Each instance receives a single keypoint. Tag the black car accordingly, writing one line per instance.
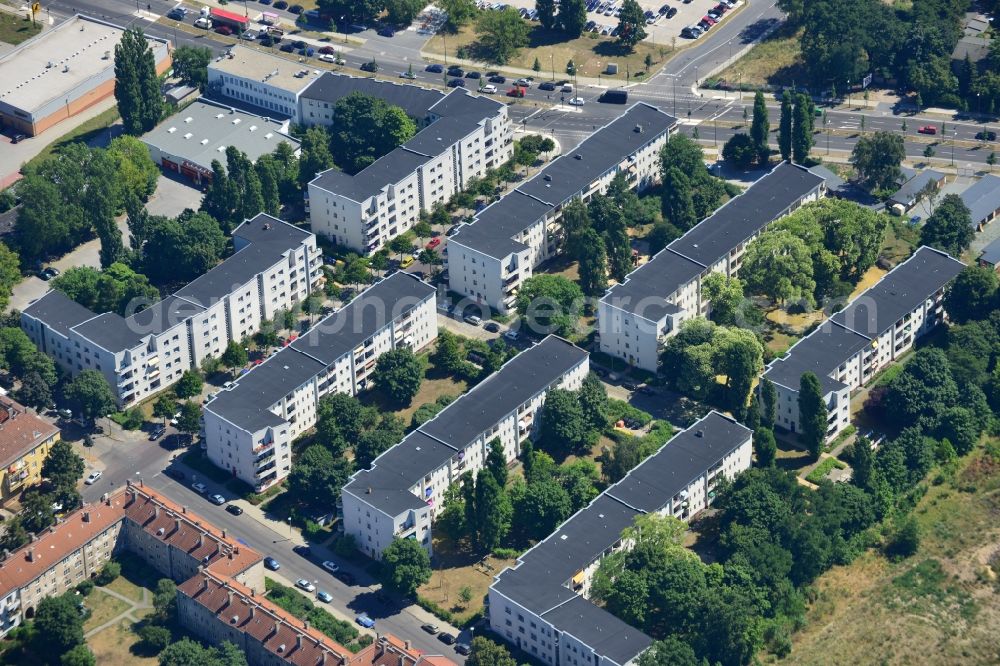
(175, 474)
(473, 75)
(296, 9)
(456, 83)
(304, 551)
(156, 433)
(345, 577)
(288, 48)
(233, 509)
(434, 69)
(456, 71)
(672, 12)
(446, 638)
(299, 44)
(370, 66)
(497, 78)
(266, 40)
(463, 649)
(177, 13)
(986, 135)
(18, 138)
(281, 4)
(629, 386)
(548, 85)
(386, 32)
(492, 327)
(48, 273)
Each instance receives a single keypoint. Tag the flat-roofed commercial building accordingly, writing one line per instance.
(874, 330)
(250, 427)
(636, 316)
(459, 137)
(399, 496)
(541, 606)
(188, 142)
(25, 440)
(63, 71)
(275, 266)
(491, 257)
(260, 79)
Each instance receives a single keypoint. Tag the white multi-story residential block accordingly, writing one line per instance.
(459, 137)
(275, 265)
(636, 316)
(492, 256)
(541, 606)
(250, 427)
(399, 495)
(260, 79)
(851, 347)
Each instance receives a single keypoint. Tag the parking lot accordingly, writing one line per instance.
(602, 15)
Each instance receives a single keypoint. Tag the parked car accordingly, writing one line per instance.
(488, 89)
(199, 487)
(175, 474)
(523, 83)
(295, 9)
(303, 584)
(271, 563)
(430, 628)
(156, 433)
(456, 83)
(492, 327)
(472, 320)
(511, 334)
(672, 12)
(177, 13)
(327, 57)
(365, 621)
(49, 272)
(345, 577)
(516, 91)
(93, 477)
(18, 138)
(370, 66)
(325, 597)
(217, 499)
(331, 566)
(566, 88)
(547, 85)
(463, 649)
(497, 78)
(434, 69)
(233, 509)
(446, 638)
(407, 75)
(433, 243)
(407, 261)
(456, 71)
(629, 386)
(288, 48)
(576, 101)
(386, 32)
(986, 135)
(927, 129)
(473, 75)
(304, 551)
(915, 220)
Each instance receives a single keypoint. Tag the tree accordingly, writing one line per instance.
(317, 476)
(862, 463)
(971, 295)
(876, 158)
(740, 151)
(540, 509)
(564, 426)
(572, 18)
(671, 651)
(546, 15)
(63, 467)
(501, 34)
(79, 656)
(35, 391)
(760, 128)
(235, 355)
(802, 128)
(184, 248)
(189, 422)
(630, 24)
(398, 374)
(617, 462)
(594, 401)
(58, 626)
(678, 199)
(108, 573)
(90, 394)
(137, 88)
(315, 154)
(117, 288)
(549, 304)
(496, 462)
(906, 540)
(165, 407)
(487, 653)
(459, 12)
(785, 127)
(725, 295)
(190, 384)
(371, 443)
(101, 200)
(765, 447)
(270, 188)
(136, 171)
(593, 269)
(949, 228)
(812, 414)
(779, 265)
(738, 355)
(191, 65)
(165, 600)
(401, 13)
(493, 511)
(365, 128)
(155, 638)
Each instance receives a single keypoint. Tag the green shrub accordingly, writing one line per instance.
(339, 630)
(110, 571)
(155, 638)
(824, 468)
(85, 588)
(506, 553)
(619, 409)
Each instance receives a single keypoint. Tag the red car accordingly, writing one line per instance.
(709, 20)
(516, 91)
(224, 30)
(434, 242)
(927, 129)
(327, 50)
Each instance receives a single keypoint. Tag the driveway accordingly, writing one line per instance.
(173, 194)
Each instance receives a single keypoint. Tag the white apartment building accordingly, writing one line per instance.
(541, 606)
(250, 427)
(260, 79)
(275, 265)
(492, 256)
(401, 493)
(636, 316)
(851, 347)
(460, 137)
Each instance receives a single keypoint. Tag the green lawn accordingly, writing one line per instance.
(824, 468)
(16, 29)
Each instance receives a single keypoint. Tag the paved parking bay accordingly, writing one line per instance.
(173, 194)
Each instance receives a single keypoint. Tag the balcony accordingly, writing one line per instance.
(267, 457)
(264, 468)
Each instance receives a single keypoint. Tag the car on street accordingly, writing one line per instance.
(511, 334)
(433, 243)
(492, 327)
(576, 101)
(202, 23)
(498, 78)
(199, 487)
(516, 91)
(547, 86)
(365, 621)
(224, 30)
(304, 551)
(456, 71)
(915, 220)
(629, 386)
(489, 89)
(431, 629)
(303, 584)
(927, 129)
(331, 566)
(446, 638)
(524, 83)
(327, 57)
(456, 83)
(345, 577)
(177, 13)
(646, 390)
(156, 433)
(986, 135)
(217, 499)
(93, 477)
(325, 597)
(288, 48)
(472, 320)
(434, 69)
(175, 474)
(49, 272)
(406, 262)
(407, 75)
(370, 66)
(386, 32)
(18, 138)
(271, 563)
(567, 88)
(233, 509)
(463, 649)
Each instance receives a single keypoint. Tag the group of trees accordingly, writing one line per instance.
(703, 350)
(821, 250)
(501, 34)
(78, 191)
(365, 128)
(21, 358)
(689, 192)
(795, 126)
(571, 421)
(451, 356)
(54, 636)
(550, 304)
(137, 87)
(190, 63)
(117, 288)
(343, 421)
(188, 652)
(570, 19)
(399, 13)
(949, 227)
(398, 375)
(243, 188)
(876, 159)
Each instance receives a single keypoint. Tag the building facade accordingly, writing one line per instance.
(541, 606)
(62, 72)
(874, 330)
(25, 440)
(637, 316)
(275, 266)
(249, 428)
(460, 136)
(492, 256)
(398, 497)
(260, 80)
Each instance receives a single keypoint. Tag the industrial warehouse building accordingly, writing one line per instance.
(62, 72)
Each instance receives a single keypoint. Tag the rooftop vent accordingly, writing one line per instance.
(188, 119)
(637, 129)
(49, 65)
(171, 130)
(65, 68)
(188, 135)
(699, 433)
(547, 177)
(204, 141)
(219, 115)
(578, 156)
(237, 121)
(253, 128)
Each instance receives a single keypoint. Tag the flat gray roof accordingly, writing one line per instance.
(982, 198)
(202, 132)
(415, 100)
(562, 179)
(58, 311)
(248, 62)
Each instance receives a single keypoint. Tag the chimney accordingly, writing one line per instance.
(253, 612)
(184, 509)
(31, 554)
(156, 511)
(253, 592)
(305, 624)
(406, 645)
(177, 524)
(86, 516)
(700, 433)
(298, 642)
(201, 540)
(223, 533)
(277, 628)
(204, 584)
(229, 598)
